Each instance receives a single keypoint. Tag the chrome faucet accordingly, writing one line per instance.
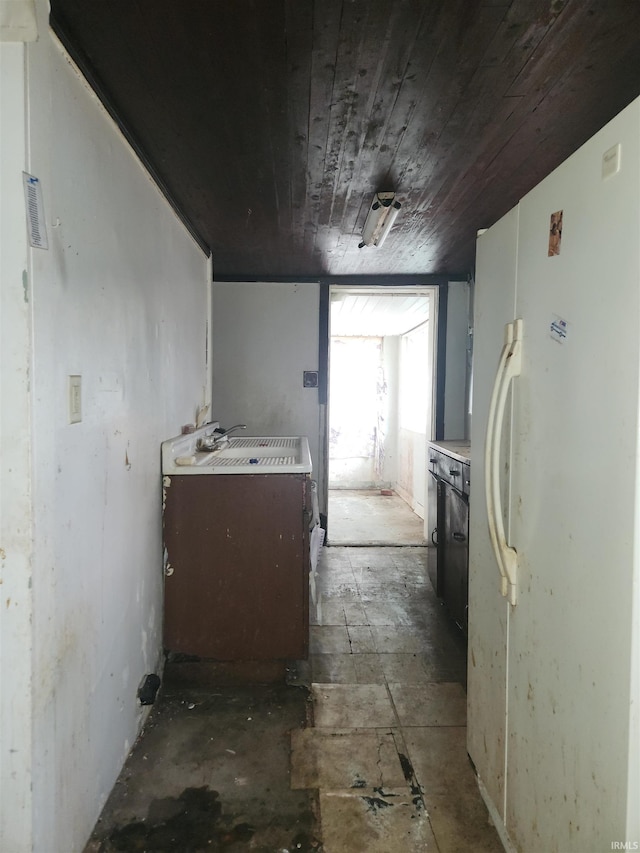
(217, 437)
(231, 429)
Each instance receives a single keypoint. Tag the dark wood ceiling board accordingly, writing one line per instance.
(379, 154)
(545, 138)
(528, 178)
(299, 45)
(482, 114)
(136, 79)
(255, 68)
(88, 42)
(138, 101)
(477, 88)
(355, 183)
(197, 103)
(511, 46)
(428, 159)
(390, 117)
(343, 103)
(519, 170)
(499, 135)
(359, 85)
(238, 144)
(274, 198)
(226, 135)
(326, 28)
(274, 123)
(362, 49)
(490, 123)
(395, 113)
(577, 25)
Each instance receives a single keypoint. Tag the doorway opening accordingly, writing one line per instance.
(381, 412)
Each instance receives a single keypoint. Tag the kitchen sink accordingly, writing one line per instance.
(240, 455)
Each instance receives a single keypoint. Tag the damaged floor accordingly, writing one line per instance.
(363, 750)
(387, 752)
(211, 772)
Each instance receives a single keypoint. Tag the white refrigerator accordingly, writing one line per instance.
(554, 581)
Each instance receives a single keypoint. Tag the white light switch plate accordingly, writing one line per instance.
(75, 399)
(611, 161)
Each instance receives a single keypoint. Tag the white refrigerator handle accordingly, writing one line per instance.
(509, 367)
(488, 450)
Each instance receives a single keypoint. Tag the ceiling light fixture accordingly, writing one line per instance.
(382, 214)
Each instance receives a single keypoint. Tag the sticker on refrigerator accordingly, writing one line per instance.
(558, 329)
(555, 233)
(36, 227)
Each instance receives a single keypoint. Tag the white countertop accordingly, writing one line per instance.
(459, 448)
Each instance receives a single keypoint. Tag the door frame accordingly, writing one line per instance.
(437, 288)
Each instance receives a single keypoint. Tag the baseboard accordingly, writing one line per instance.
(494, 814)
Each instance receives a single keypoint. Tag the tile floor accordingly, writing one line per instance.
(368, 516)
(369, 758)
(387, 752)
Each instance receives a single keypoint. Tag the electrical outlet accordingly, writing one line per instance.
(309, 378)
(75, 399)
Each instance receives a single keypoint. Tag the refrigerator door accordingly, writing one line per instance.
(494, 307)
(573, 503)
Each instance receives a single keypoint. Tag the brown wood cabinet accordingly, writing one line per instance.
(237, 566)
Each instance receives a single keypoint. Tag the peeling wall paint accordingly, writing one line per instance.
(120, 298)
(16, 519)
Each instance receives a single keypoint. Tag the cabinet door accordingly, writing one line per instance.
(456, 556)
(435, 538)
(237, 575)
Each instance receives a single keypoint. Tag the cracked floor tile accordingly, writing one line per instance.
(342, 759)
(375, 821)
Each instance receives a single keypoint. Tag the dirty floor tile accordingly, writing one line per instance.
(375, 821)
(430, 704)
(329, 639)
(333, 669)
(404, 669)
(361, 639)
(330, 612)
(355, 613)
(439, 758)
(399, 639)
(352, 706)
(345, 759)
(461, 825)
(391, 612)
(368, 669)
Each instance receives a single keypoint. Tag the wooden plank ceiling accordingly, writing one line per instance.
(272, 123)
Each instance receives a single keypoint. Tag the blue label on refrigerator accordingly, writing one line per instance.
(558, 329)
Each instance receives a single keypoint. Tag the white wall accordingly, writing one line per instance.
(391, 366)
(120, 298)
(414, 416)
(457, 366)
(16, 519)
(264, 336)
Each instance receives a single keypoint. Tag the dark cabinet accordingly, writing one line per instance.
(456, 555)
(448, 509)
(237, 566)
